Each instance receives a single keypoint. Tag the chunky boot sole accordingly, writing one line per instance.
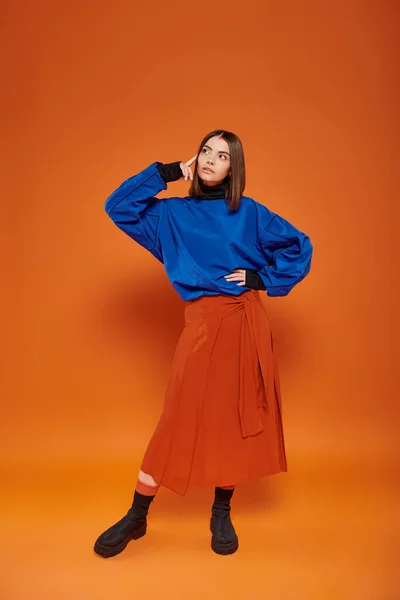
(107, 552)
(224, 549)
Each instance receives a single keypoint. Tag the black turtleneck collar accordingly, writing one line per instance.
(210, 192)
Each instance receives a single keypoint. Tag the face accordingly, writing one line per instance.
(215, 157)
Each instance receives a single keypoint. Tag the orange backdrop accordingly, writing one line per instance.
(96, 91)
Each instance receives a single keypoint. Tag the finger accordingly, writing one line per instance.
(236, 277)
(189, 162)
(239, 271)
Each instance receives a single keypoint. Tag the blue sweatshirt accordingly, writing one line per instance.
(201, 241)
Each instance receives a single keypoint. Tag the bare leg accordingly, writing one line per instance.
(147, 479)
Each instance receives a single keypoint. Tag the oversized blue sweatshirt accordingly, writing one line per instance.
(200, 241)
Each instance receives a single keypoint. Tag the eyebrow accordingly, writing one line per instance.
(219, 151)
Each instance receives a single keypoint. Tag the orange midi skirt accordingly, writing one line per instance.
(221, 422)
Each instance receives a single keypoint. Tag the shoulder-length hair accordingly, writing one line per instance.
(236, 182)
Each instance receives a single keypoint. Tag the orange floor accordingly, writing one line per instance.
(314, 533)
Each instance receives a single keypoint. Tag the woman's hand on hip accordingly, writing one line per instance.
(237, 275)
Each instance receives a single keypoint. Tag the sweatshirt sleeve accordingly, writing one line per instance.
(288, 252)
(135, 210)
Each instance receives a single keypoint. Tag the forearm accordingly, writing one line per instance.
(131, 198)
(253, 280)
(289, 267)
(170, 171)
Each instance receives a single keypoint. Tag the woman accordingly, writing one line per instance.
(221, 424)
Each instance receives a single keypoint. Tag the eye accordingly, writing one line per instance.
(204, 150)
(222, 156)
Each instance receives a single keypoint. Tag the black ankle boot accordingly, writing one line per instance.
(131, 527)
(224, 539)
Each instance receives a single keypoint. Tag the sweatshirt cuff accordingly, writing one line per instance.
(170, 171)
(253, 280)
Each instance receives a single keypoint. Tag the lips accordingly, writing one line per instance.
(207, 170)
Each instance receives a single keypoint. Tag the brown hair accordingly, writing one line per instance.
(237, 180)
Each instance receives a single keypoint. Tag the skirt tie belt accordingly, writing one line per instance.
(256, 368)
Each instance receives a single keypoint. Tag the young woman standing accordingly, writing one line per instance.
(221, 423)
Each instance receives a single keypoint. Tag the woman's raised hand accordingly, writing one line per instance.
(186, 170)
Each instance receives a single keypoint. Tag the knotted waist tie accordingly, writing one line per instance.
(257, 367)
